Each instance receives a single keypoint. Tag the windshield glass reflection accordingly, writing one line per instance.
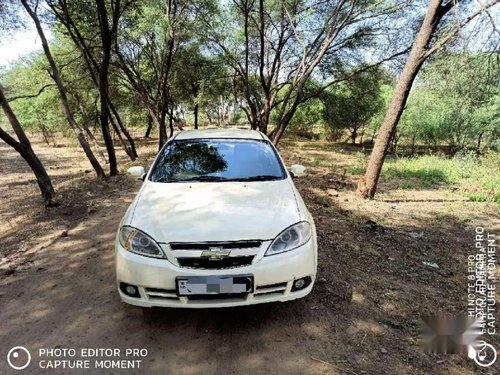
(217, 160)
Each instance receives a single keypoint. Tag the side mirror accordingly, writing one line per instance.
(138, 172)
(297, 170)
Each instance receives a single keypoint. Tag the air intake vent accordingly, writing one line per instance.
(231, 262)
(208, 245)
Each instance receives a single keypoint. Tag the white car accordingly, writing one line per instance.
(217, 222)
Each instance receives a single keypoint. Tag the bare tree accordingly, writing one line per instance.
(427, 41)
(56, 76)
(284, 44)
(23, 147)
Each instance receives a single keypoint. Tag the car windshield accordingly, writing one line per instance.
(217, 160)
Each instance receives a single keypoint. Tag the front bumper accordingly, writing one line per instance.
(273, 278)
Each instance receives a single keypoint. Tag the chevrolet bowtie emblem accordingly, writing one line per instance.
(215, 253)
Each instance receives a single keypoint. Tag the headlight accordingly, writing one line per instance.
(291, 238)
(134, 240)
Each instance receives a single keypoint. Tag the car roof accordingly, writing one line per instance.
(220, 133)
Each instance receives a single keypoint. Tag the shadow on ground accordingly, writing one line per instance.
(361, 318)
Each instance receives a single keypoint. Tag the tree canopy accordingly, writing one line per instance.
(119, 68)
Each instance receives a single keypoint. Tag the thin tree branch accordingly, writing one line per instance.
(456, 30)
(32, 95)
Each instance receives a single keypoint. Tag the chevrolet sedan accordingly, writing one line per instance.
(217, 222)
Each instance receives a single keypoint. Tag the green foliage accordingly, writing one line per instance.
(478, 197)
(457, 103)
(40, 113)
(353, 103)
(38, 107)
(358, 170)
(386, 92)
(478, 177)
(307, 116)
(199, 79)
(417, 169)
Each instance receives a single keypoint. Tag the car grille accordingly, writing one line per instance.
(207, 245)
(204, 255)
(230, 262)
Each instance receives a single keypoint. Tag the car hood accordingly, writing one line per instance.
(214, 211)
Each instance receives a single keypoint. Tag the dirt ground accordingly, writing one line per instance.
(57, 287)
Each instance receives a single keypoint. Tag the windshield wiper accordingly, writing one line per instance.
(204, 178)
(261, 177)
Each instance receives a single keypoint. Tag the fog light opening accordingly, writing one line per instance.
(130, 290)
(300, 284)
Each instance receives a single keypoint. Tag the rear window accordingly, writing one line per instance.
(217, 160)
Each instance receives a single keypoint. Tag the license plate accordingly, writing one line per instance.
(213, 285)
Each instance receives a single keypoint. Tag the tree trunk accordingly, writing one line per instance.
(373, 136)
(65, 18)
(85, 125)
(277, 133)
(479, 141)
(45, 134)
(125, 146)
(42, 178)
(104, 85)
(196, 116)
(124, 130)
(54, 71)
(165, 97)
(162, 130)
(354, 134)
(23, 147)
(392, 142)
(254, 124)
(264, 117)
(395, 144)
(368, 185)
(171, 123)
(150, 127)
(159, 122)
(104, 120)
